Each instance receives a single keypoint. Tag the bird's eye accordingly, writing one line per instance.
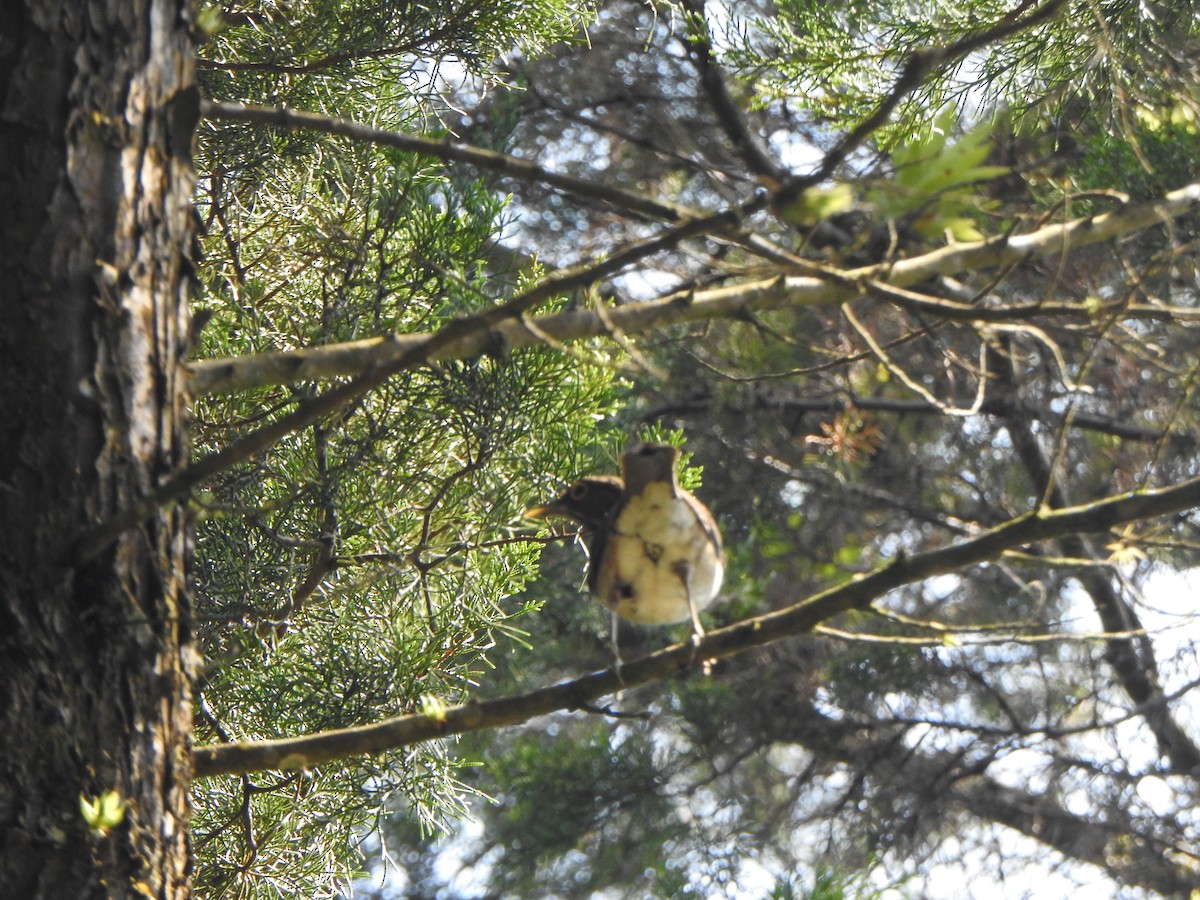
(578, 490)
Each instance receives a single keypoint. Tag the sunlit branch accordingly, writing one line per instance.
(964, 637)
(227, 375)
(1001, 313)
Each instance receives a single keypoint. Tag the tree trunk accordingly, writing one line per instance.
(97, 110)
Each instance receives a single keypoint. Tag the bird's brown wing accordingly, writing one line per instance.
(707, 521)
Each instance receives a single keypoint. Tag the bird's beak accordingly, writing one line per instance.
(542, 511)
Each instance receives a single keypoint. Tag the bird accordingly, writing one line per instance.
(655, 555)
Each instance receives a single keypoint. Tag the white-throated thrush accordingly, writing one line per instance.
(655, 554)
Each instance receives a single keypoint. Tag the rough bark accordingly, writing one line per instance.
(96, 116)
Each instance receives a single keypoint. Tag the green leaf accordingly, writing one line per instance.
(103, 813)
(210, 20)
(935, 180)
(433, 707)
(817, 204)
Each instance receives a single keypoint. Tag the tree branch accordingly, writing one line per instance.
(903, 407)
(801, 617)
(937, 783)
(729, 114)
(1132, 857)
(451, 151)
(1132, 655)
(374, 374)
(227, 375)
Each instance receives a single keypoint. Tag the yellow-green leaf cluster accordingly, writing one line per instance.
(936, 183)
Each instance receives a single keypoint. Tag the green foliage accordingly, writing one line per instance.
(830, 884)
(368, 564)
(103, 813)
(937, 181)
(817, 204)
(418, 600)
(837, 60)
(1159, 153)
(573, 797)
(935, 189)
(819, 56)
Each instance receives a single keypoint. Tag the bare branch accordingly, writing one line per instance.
(846, 402)
(944, 781)
(1134, 858)
(729, 114)
(1132, 655)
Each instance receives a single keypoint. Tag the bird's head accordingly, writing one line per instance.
(589, 501)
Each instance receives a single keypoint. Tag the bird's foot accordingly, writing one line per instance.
(616, 650)
(706, 665)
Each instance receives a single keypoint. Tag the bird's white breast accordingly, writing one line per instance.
(660, 551)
